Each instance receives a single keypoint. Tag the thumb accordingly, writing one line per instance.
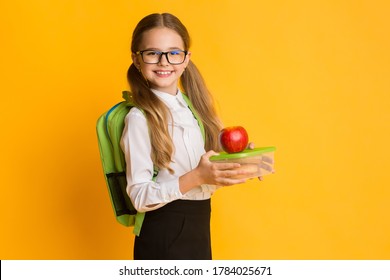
(210, 154)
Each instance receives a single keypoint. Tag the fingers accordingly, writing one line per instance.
(251, 146)
(266, 167)
(233, 173)
(226, 166)
(267, 159)
(209, 154)
(231, 176)
(231, 182)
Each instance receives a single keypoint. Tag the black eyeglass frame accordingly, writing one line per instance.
(161, 54)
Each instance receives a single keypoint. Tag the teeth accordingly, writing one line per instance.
(163, 72)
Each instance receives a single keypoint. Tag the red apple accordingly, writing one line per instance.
(233, 139)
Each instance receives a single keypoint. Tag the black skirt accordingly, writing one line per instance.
(179, 230)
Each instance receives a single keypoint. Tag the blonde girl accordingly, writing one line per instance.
(162, 132)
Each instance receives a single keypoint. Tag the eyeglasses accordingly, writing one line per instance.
(154, 57)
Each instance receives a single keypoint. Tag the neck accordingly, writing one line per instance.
(171, 92)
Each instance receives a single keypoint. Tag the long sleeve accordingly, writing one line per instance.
(144, 193)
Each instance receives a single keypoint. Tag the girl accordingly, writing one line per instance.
(162, 132)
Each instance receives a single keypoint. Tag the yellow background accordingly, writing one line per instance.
(309, 77)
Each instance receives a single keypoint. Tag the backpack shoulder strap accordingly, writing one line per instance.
(128, 97)
(195, 113)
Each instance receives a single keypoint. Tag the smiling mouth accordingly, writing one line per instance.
(163, 73)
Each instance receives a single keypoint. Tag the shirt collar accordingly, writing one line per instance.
(170, 100)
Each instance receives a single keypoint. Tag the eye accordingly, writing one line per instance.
(152, 53)
(176, 52)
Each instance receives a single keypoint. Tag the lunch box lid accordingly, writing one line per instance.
(243, 154)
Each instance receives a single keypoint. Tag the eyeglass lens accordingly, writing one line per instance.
(173, 57)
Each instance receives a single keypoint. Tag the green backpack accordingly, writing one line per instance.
(109, 129)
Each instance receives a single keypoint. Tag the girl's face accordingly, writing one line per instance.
(161, 76)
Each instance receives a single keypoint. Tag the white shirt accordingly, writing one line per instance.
(144, 193)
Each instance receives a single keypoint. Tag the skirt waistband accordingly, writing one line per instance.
(185, 207)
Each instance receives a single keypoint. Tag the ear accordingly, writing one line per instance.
(135, 59)
(188, 57)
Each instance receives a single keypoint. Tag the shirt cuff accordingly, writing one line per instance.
(170, 190)
(209, 188)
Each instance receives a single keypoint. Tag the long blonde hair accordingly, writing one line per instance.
(157, 114)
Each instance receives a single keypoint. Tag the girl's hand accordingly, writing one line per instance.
(212, 173)
(220, 174)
